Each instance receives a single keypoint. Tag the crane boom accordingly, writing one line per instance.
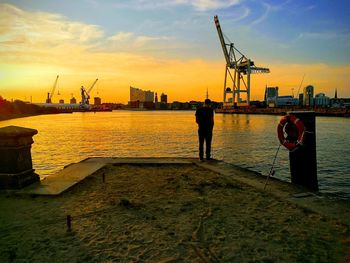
(93, 84)
(85, 95)
(49, 95)
(54, 87)
(222, 40)
(241, 67)
(301, 83)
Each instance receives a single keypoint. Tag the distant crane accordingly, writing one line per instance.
(301, 83)
(85, 95)
(50, 94)
(241, 65)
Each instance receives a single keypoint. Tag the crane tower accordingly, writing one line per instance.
(238, 68)
(85, 95)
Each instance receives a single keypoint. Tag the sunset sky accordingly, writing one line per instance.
(170, 46)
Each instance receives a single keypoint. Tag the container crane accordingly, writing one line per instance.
(85, 95)
(241, 66)
(50, 94)
(301, 83)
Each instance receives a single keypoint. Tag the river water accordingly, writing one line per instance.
(249, 141)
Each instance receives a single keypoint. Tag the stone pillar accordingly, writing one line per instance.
(16, 168)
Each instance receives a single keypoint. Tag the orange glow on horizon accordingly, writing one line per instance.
(37, 46)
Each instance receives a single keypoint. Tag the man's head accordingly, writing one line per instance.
(207, 102)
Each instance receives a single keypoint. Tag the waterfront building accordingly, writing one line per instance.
(141, 99)
(97, 101)
(340, 103)
(308, 96)
(64, 106)
(301, 99)
(271, 94)
(149, 96)
(321, 100)
(141, 95)
(286, 101)
(163, 98)
(177, 105)
(61, 101)
(73, 100)
(136, 94)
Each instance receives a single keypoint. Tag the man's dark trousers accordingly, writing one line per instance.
(205, 135)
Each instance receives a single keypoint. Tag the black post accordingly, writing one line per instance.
(69, 223)
(303, 162)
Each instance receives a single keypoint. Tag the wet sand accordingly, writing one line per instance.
(165, 213)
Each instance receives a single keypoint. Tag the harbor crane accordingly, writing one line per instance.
(85, 95)
(241, 66)
(301, 83)
(50, 94)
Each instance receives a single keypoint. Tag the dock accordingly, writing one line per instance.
(169, 210)
(74, 173)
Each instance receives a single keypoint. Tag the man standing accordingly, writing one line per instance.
(205, 121)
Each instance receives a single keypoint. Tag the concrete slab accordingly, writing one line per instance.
(139, 160)
(75, 173)
(302, 197)
(63, 180)
(313, 201)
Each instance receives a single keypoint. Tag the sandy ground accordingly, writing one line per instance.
(165, 213)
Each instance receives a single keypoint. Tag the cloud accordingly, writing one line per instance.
(121, 36)
(268, 8)
(37, 29)
(204, 5)
(199, 5)
(310, 7)
(322, 35)
(133, 43)
(245, 12)
(29, 35)
(267, 11)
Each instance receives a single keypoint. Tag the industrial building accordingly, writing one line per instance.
(321, 100)
(287, 101)
(271, 94)
(73, 100)
(164, 98)
(272, 99)
(97, 101)
(308, 96)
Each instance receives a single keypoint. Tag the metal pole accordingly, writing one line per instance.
(225, 84)
(248, 83)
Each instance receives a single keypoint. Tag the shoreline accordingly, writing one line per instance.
(5, 117)
(327, 112)
(345, 113)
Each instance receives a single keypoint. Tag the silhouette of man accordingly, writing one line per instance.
(205, 121)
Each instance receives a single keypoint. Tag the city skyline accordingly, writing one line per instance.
(170, 46)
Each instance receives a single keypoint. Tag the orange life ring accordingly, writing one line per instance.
(297, 124)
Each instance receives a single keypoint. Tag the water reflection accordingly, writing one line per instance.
(246, 140)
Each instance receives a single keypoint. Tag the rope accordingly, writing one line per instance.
(272, 171)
